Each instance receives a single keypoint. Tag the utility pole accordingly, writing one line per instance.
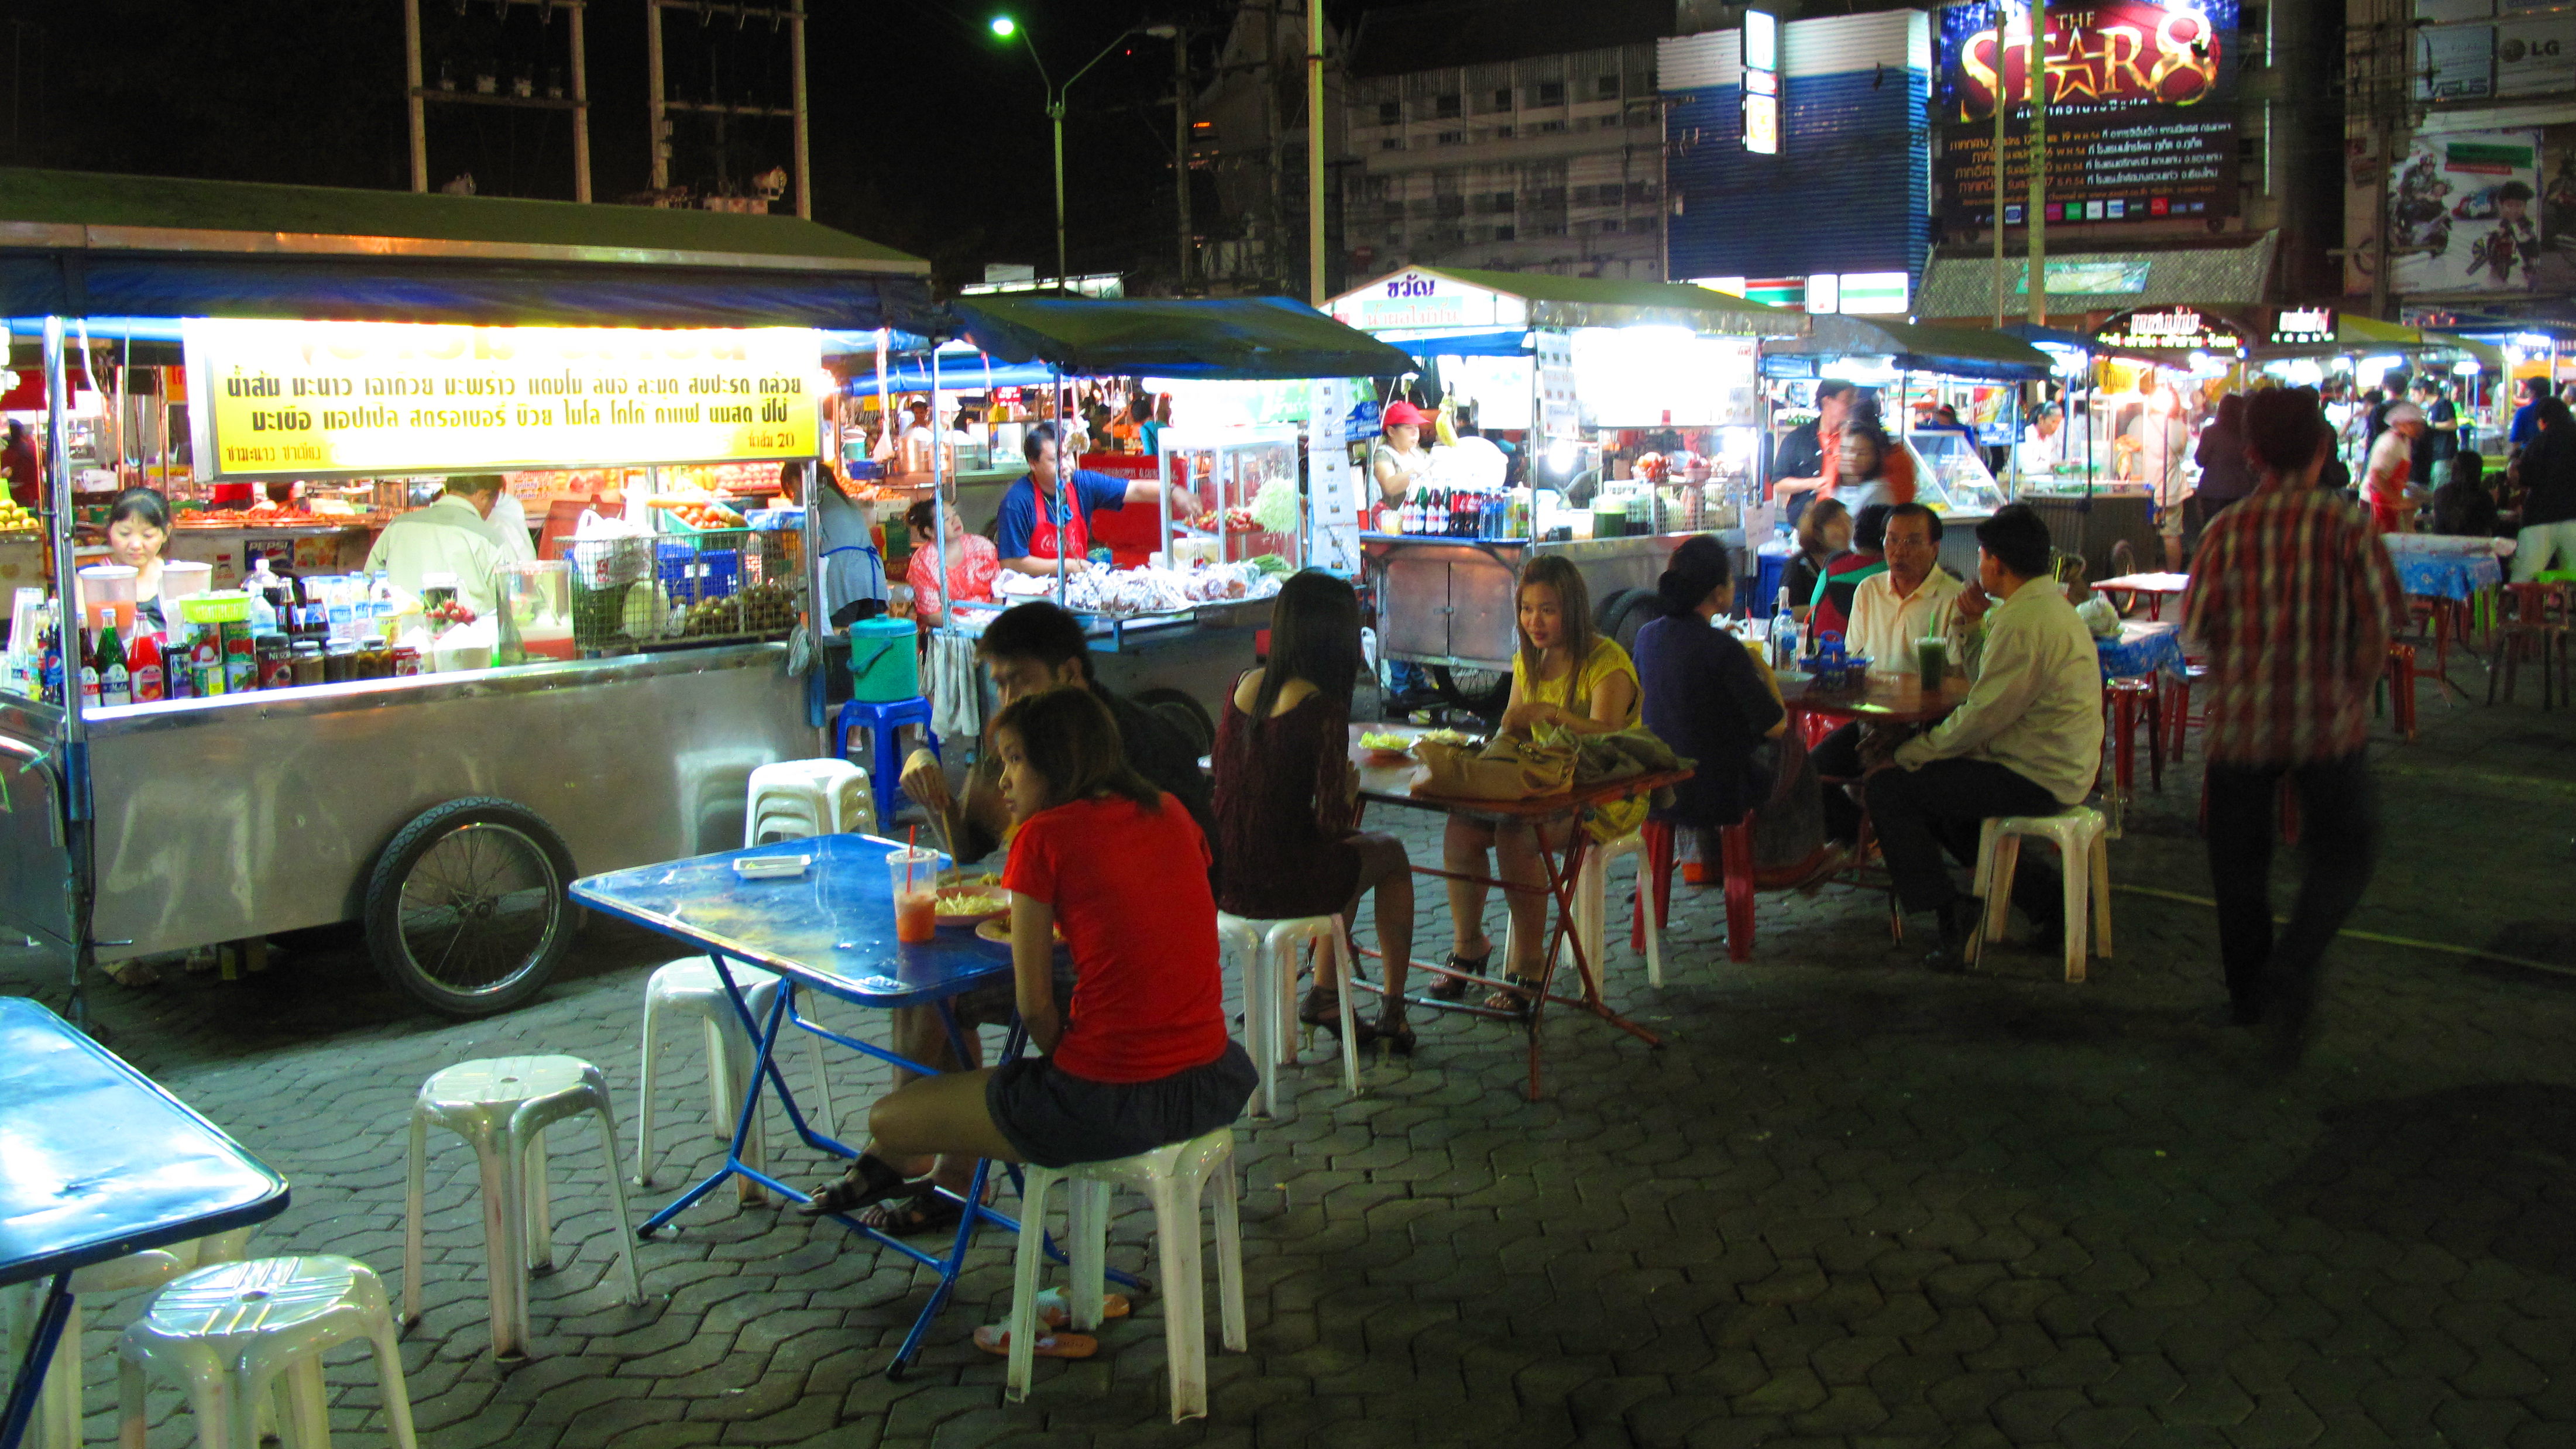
(1274, 264)
(790, 17)
(523, 95)
(1181, 147)
(2038, 232)
(2003, 104)
(1315, 152)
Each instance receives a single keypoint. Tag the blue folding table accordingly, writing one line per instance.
(97, 1161)
(831, 931)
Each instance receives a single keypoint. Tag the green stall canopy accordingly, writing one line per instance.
(1225, 338)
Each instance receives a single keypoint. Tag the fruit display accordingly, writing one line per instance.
(14, 519)
(760, 609)
(447, 613)
(701, 515)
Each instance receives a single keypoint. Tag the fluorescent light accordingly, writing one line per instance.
(1761, 40)
(1824, 292)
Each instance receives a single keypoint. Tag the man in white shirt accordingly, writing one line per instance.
(2028, 741)
(507, 524)
(1914, 599)
(447, 537)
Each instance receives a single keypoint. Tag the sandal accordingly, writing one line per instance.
(926, 1211)
(995, 1338)
(1321, 1008)
(869, 1180)
(1451, 988)
(1054, 1313)
(1518, 999)
(1392, 1030)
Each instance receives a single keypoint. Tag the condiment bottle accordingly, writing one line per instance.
(143, 669)
(115, 682)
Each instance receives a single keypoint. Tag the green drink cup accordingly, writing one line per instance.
(1932, 658)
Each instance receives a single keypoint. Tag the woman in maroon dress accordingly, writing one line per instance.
(1287, 797)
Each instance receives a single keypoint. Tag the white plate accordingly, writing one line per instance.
(772, 867)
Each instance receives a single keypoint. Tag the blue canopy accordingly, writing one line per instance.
(1504, 342)
(964, 374)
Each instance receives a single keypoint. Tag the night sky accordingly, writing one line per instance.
(927, 134)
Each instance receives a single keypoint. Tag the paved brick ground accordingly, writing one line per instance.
(1849, 1202)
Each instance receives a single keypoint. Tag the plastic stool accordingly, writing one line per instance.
(2081, 834)
(503, 1106)
(797, 798)
(1266, 953)
(1592, 904)
(1735, 864)
(1174, 1178)
(2401, 687)
(230, 1332)
(57, 1424)
(691, 985)
(2122, 697)
(883, 722)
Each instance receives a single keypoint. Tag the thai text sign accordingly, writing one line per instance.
(313, 399)
(2141, 110)
(2169, 329)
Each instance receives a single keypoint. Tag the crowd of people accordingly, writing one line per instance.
(1119, 845)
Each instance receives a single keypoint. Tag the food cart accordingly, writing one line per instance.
(1915, 369)
(447, 811)
(1634, 408)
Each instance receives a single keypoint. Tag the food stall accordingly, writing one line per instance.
(334, 334)
(2157, 372)
(1186, 624)
(1633, 408)
(1915, 369)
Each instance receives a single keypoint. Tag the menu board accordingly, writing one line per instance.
(324, 399)
(2142, 112)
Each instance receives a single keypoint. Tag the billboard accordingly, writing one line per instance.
(2141, 111)
(2465, 214)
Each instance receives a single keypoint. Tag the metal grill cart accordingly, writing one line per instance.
(1194, 642)
(1634, 407)
(448, 811)
(1972, 369)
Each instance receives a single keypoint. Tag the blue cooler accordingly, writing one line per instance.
(885, 660)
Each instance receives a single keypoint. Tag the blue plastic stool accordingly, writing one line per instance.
(883, 722)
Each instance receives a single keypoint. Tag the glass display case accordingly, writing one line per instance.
(1950, 475)
(1245, 482)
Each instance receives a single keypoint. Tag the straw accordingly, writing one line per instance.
(911, 848)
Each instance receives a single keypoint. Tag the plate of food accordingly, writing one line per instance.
(970, 875)
(1386, 747)
(998, 931)
(965, 905)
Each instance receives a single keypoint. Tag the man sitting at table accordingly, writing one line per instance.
(1914, 599)
(2028, 741)
(1030, 649)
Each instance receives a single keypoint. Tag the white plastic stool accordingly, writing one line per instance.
(1266, 954)
(795, 798)
(1592, 905)
(2081, 834)
(503, 1106)
(58, 1412)
(1173, 1178)
(691, 985)
(230, 1331)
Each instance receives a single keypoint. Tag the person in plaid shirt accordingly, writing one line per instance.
(2294, 599)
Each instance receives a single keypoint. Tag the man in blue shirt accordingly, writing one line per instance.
(2526, 422)
(1033, 524)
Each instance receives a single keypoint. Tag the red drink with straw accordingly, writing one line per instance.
(915, 877)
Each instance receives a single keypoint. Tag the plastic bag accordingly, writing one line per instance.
(1508, 768)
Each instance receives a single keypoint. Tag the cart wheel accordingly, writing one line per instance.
(1624, 613)
(467, 909)
(1476, 691)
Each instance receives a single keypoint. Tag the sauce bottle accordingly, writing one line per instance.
(115, 682)
(143, 669)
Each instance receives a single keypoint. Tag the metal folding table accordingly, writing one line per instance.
(830, 931)
(100, 1162)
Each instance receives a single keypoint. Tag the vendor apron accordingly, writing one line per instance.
(1042, 534)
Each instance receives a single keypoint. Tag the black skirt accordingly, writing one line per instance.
(1056, 1119)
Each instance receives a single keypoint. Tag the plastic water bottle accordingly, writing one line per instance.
(1784, 633)
(263, 614)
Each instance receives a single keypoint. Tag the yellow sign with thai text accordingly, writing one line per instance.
(316, 399)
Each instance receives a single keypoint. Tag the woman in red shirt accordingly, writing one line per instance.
(1142, 1057)
(972, 564)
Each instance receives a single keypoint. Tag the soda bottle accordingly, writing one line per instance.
(143, 669)
(115, 682)
(49, 672)
(1784, 633)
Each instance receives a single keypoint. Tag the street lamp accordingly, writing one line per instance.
(1007, 28)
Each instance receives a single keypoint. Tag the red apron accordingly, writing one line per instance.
(1042, 533)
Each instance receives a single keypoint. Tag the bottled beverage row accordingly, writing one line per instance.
(1459, 513)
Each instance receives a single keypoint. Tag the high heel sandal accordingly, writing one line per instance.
(1518, 1000)
(1451, 988)
(1321, 1008)
(1392, 1030)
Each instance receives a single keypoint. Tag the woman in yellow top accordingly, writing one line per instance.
(1565, 674)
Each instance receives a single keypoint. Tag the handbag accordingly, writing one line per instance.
(1508, 768)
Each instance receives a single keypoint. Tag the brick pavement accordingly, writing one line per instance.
(1849, 1202)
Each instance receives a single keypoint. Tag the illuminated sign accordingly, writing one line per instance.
(2170, 329)
(2142, 110)
(2303, 325)
(1761, 83)
(1421, 299)
(313, 399)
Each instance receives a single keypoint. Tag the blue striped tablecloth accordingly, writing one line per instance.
(2442, 566)
(2141, 647)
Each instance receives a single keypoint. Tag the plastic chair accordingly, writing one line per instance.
(2531, 618)
(1592, 903)
(2124, 699)
(2401, 687)
(795, 798)
(1266, 953)
(57, 1423)
(1173, 1178)
(884, 722)
(2080, 834)
(503, 1106)
(691, 985)
(1735, 859)
(231, 1332)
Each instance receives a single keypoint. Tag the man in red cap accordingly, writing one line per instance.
(1398, 460)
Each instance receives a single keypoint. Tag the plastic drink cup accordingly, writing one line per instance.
(915, 880)
(1932, 657)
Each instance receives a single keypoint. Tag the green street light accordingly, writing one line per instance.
(1005, 27)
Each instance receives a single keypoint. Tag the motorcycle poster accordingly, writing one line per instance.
(2465, 213)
